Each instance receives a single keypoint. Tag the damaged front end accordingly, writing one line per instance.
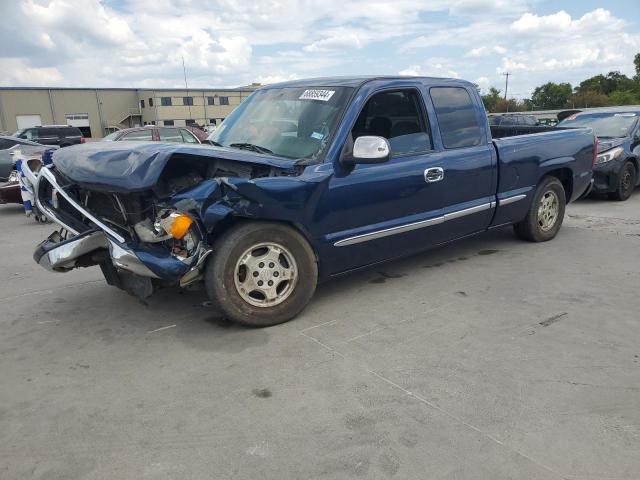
(143, 234)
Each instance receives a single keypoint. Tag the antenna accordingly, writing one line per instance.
(186, 86)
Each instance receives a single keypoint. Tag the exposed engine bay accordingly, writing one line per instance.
(161, 228)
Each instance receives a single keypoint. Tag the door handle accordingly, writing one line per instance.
(434, 174)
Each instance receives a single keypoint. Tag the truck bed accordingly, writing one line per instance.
(502, 131)
(524, 159)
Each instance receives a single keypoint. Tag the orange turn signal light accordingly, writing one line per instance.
(179, 225)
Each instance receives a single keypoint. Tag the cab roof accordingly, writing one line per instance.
(358, 81)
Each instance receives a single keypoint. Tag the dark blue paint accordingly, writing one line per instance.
(329, 201)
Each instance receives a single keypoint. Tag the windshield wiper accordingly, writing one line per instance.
(252, 147)
(214, 143)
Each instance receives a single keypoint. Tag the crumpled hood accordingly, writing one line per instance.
(136, 166)
(605, 144)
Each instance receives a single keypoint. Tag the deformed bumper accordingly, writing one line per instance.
(59, 255)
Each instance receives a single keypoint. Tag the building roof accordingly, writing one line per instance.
(105, 89)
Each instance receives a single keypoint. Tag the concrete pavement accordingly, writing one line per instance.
(491, 358)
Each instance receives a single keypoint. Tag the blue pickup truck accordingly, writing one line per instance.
(305, 181)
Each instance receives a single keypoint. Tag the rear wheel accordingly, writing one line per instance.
(545, 216)
(626, 182)
(261, 274)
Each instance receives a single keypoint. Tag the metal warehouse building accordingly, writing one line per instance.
(99, 111)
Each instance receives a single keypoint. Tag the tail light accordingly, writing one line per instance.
(595, 150)
(83, 140)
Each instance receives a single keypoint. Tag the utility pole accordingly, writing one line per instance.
(506, 85)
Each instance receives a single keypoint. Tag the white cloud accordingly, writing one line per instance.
(434, 67)
(230, 43)
(482, 82)
(16, 71)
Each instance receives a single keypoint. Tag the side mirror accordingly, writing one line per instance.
(370, 149)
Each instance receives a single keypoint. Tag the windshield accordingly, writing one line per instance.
(616, 125)
(111, 137)
(288, 122)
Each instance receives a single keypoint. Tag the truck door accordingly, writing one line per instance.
(379, 211)
(468, 161)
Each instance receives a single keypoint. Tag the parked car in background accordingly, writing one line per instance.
(60, 135)
(153, 133)
(11, 149)
(305, 181)
(512, 119)
(8, 146)
(617, 168)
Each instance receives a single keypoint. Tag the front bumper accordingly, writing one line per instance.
(57, 254)
(96, 244)
(606, 176)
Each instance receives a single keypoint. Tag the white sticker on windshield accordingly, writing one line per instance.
(317, 135)
(323, 95)
(628, 114)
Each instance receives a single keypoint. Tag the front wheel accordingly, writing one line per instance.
(626, 182)
(261, 274)
(544, 218)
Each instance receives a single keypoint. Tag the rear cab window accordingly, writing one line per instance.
(457, 120)
(397, 116)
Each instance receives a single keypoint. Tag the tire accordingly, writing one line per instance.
(250, 253)
(543, 220)
(626, 182)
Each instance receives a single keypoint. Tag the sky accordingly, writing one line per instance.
(228, 43)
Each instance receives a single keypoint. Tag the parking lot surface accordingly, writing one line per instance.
(491, 358)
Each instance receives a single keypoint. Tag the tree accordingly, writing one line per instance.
(613, 81)
(625, 97)
(589, 99)
(552, 95)
(491, 99)
(636, 62)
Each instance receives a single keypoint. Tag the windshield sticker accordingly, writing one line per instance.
(322, 95)
(629, 114)
(317, 135)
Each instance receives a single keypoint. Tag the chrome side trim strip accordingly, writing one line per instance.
(388, 231)
(414, 226)
(45, 172)
(510, 200)
(467, 211)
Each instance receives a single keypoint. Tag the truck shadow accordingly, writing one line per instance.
(433, 259)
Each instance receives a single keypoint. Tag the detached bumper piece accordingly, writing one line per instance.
(59, 255)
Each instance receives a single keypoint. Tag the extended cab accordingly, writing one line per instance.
(304, 181)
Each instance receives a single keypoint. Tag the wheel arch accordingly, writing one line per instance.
(565, 175)
(636, 163)
(233, 220)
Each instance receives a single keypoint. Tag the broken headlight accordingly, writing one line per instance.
(174, 230)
